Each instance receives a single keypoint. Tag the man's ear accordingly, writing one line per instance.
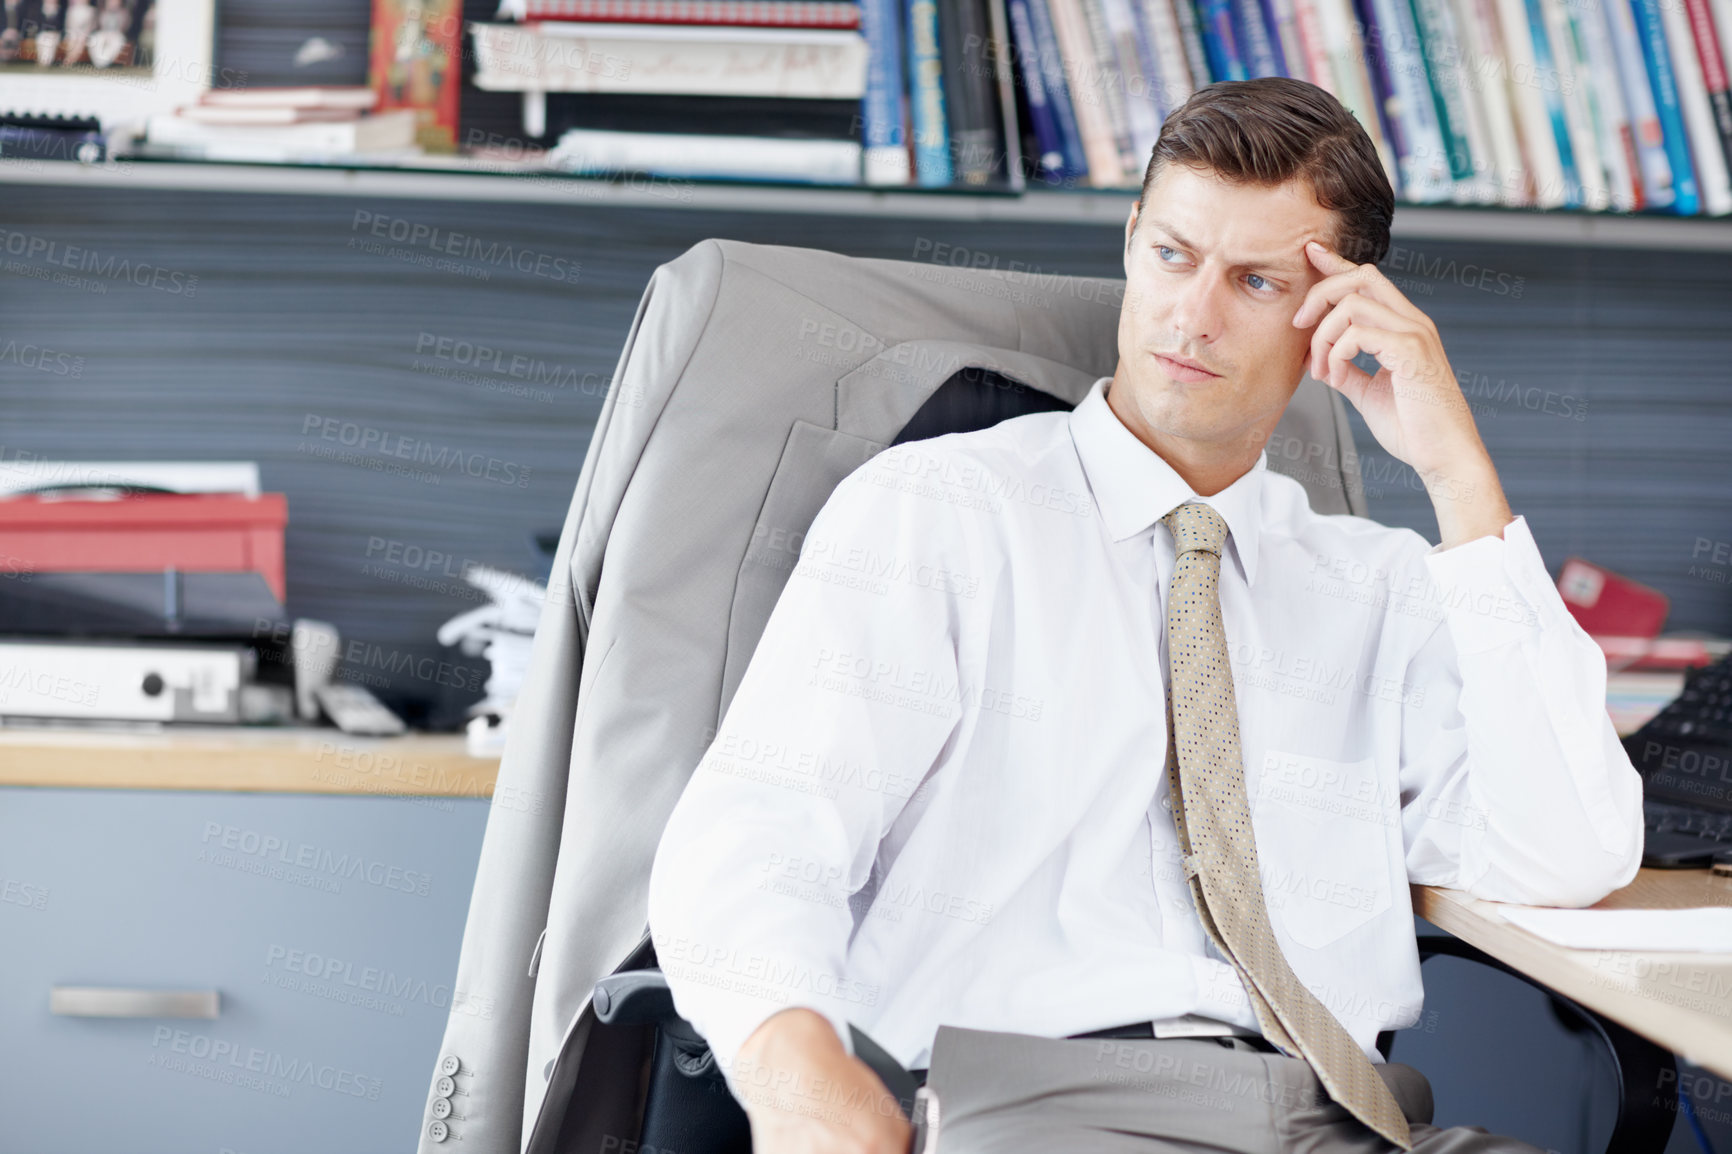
(1130, 228)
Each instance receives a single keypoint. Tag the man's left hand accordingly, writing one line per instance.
(1413, 405)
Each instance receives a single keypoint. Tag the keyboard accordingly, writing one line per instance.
(1660, 817)
(1683, 754)
(1702, 713)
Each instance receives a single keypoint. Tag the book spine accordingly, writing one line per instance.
(1253, 37)
(1654, 167)
(883, 109)
(1545, 74)
(1191, 36)
(926, 85)
(969, 110)
(1111, 80)
(1542, 173)
(1142, 114)
(1049, 164)
(1712, 188)
(1155, 83)
(1439, 55)
(1606, 104)
(1313, 50)
(1100, 146)
(1382, 90)
(1003, 89)
(1283, 40)
(1427, 179)
(1702, 30)
(1484, 72)
(1076, 165)
(1225, 61)
(1572, 98)
(1345, 46)
(1723, 23)
(1686, 198)
(1482, 186)
(1163, 31)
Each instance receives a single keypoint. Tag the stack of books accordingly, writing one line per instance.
(1620, 105)
(672, 76)
(277, 125)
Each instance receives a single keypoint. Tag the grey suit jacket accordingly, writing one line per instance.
(753, 379)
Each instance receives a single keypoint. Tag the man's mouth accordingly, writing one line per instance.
(1183, 368)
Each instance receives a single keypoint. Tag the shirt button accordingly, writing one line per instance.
(441, 1107)
(445, 1087)
(449, 1065)
(438, 1131)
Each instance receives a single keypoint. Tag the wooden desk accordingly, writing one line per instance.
(1681, 1001)
(288, 760)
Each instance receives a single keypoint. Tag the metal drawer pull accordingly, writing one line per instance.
(101, 1002)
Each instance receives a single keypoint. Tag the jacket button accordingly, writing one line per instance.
(438, 1131)
(441, 1107)
(445, 1087)
(449, 1065)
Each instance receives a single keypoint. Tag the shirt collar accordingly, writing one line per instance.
(1135, 487)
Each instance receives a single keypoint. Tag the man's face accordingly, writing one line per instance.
(1214, 273)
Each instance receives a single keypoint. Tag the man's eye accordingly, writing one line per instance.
(1262, 282)
(1163, 250)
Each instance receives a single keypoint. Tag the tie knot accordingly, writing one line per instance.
(1197, 526)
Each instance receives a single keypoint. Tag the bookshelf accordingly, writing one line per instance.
(460, 179)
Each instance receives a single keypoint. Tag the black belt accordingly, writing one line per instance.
(1147, 1030)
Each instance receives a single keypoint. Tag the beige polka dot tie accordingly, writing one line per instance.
(1213, 820)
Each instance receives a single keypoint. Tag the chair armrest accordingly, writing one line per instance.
(642, 997)
(1644, 1121)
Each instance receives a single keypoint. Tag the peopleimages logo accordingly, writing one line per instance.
(383, 443)
(223, 1061)
(317, 860)
(105, 267)
(464, 246)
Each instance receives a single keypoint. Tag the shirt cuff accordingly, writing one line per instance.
(1490, 589)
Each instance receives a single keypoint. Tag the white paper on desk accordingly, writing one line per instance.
(1704, 930)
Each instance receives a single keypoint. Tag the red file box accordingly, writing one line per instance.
(193, 532)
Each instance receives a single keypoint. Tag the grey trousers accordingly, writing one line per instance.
(999, 1093)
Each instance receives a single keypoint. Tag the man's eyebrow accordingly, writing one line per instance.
(1291, 265)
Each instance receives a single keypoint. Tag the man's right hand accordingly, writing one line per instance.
(805, 1094)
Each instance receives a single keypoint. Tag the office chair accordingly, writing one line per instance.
(754, 378)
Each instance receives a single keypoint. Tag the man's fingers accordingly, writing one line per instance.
(1340, 373)
(1354, 308)
(1328, 261)
(1346, 277)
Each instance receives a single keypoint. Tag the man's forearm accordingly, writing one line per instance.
(1469, 501)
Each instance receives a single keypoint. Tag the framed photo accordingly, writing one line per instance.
(117, 61)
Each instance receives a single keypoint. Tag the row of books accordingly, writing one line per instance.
(1617, 105)
(1592, 104)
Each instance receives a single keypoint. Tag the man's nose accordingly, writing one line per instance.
(1198, 308)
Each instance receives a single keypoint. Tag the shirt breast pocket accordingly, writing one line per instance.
(1323, 830)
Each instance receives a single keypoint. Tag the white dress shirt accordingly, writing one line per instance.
(939, 794)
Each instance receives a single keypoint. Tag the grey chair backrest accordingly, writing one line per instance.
(754, 378)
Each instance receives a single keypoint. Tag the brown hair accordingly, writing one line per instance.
(1269, 130)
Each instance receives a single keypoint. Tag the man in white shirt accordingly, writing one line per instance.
(938, 806)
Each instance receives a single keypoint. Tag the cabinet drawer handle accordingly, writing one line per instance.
(102, 1002)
